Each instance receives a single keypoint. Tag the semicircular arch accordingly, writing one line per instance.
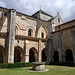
(55, 49)
(19, 48)
(32, 29)
(67, 48)
(34, 50)
(33, 55)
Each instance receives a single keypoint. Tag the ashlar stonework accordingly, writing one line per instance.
(37, 38)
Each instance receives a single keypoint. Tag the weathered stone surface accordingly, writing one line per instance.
(11, 31)
(15, 35)
(38, 66)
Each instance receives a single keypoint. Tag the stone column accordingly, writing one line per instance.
(36, 59)
(4, 59)
(60, 56)
(60, 47)
(49, 47)
(11, 34)
(63, 57)
(26, 58)
(73, 44)
(50, 57)
(21, 57)
(39, 51)
(74, 57)
(26, 51)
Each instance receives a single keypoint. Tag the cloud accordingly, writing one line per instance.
(3, 4)
(66, 8)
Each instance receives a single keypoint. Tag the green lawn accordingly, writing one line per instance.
(53, 70)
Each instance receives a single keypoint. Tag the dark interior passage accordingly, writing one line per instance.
(17, 56)
(56, 56)
(31, 56)
(1, 57)
(43, 56)
(1, 54)
(68, 55)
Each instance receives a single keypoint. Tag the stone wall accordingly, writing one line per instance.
(56, 22)
(62, 40)
(15, 35)
(44, 17)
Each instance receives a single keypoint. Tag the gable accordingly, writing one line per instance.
(42, 15)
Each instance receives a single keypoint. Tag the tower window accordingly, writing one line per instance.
(29, 32)
(58, 20)
(42, 35)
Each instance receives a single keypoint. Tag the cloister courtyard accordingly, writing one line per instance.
(53, 70)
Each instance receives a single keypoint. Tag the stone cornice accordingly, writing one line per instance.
(66, 23)
(63, 29)
(2, 34)
(29, 38)
(30, 17)
(21, 37)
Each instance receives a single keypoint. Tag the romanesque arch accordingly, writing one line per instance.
(2, 55)
(68, 55)
(44, 58)
(16, 28)
(55, 56)
(33, 55)
(42, 29)
(30, 31)
(18, 54)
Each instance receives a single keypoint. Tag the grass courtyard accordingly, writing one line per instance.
(53, 70)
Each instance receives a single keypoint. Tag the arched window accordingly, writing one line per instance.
(16, 30)
(29, 32)
(58, 20)
(42, 35)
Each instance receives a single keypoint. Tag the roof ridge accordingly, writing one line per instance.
(42, 12)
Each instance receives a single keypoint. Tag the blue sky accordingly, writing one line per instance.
(66, 8)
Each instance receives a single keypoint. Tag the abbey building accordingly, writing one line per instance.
(36, 38)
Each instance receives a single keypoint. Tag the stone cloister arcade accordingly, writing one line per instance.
(67, 56)
(33, 55)
(19, 55)
(24, 38)
(44, 55)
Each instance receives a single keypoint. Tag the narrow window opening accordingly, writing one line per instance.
(29, 32)
(42, 35)
(58, 20)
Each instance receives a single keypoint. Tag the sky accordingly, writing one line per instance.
(66, 8)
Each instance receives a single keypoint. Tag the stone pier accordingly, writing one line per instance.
(11, 34)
